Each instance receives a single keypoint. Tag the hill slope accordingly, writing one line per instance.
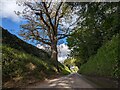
(23, 63)
(14, 42)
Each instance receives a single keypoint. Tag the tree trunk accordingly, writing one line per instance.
(54, 55)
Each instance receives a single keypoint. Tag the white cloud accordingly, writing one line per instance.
(7, 8)
(61, 59)
(63, 51)
(40, 46)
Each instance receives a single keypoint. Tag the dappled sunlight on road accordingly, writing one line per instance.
(70, 81)
(63, 82)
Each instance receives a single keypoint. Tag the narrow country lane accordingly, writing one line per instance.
(70, 81)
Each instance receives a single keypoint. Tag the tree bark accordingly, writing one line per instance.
(54, 55)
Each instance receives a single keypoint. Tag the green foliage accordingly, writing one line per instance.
(84, 44)
(105, 62)
(71, 62)
(66, 71)
(100, 21)
(75, 69)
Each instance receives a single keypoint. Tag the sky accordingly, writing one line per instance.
(10, 21)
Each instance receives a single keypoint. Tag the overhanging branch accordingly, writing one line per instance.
(57, 13)
(45, 41)
(63, 36)
(47, 13)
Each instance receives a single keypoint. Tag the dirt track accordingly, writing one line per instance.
(70, 81)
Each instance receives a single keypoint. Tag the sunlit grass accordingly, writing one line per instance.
(23, 63)
(20, 66)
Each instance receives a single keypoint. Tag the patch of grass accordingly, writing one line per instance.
(105, 62)
(65, 71)
(16, 63)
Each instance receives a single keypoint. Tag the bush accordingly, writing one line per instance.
(105, 62)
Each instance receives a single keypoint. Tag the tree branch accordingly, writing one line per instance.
(41, 39)
(41, 16)
(62, 14)
(31, 7)
(47, 13)
(49, 3)
(63, 36)
(57, 13)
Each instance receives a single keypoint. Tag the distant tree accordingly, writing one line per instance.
(70, 62)
(47, 22)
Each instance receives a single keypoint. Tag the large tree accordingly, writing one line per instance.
(47, 22)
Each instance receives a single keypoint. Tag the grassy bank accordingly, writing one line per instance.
(23, 63)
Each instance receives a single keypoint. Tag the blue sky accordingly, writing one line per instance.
(13, 27)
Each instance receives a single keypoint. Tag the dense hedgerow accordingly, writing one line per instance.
(105, 62)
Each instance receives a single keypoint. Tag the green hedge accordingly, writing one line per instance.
(105, 62)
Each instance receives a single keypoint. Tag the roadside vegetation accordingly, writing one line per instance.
(71, 64)
(23, 63)
(95, 43)
(105, 62)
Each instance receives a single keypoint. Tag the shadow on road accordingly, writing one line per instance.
(71, 81)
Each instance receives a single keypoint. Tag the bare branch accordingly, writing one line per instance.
(57, 13)
(41, 16)
(49, 4)
(62, 14)
(37, 37)
(47, 13)
(31, 7)
(43, 41)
